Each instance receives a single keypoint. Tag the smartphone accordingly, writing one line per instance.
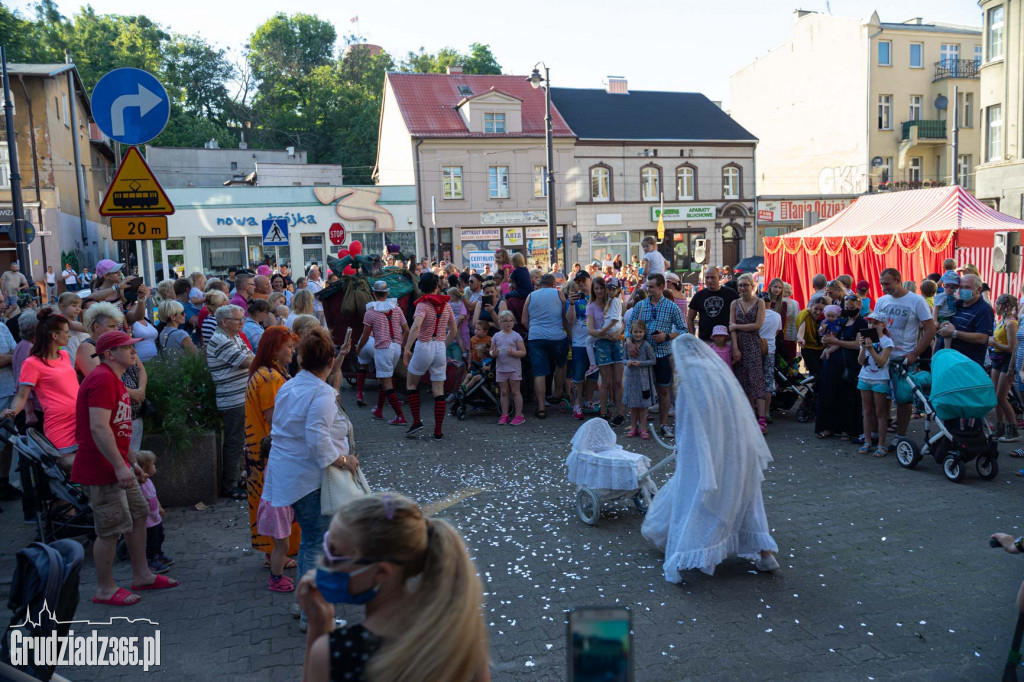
(600, 644)
(488, 300)
(871, 334)
(348, 337)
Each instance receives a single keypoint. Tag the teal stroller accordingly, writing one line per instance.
(961, 395)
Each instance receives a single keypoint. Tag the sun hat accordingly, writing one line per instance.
(877, 316)
(950, 277)
(106, 266)
(720, 330)
(833, 309)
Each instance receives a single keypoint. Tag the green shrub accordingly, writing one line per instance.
(184, 397)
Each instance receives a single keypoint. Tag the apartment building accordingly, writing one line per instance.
(1000, 173)
(848, 106)
(473, 146)
(45, 130)
(641, 154)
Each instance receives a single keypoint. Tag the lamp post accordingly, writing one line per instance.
(536, 80)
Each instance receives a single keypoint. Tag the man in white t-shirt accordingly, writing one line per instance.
(70, 277)
(769, 329)
(315, 285)
(912, 328)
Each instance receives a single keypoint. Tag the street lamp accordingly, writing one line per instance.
(537, 81)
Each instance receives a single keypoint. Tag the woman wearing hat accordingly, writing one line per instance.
(111, 287)
(838, 405)
(873, 383)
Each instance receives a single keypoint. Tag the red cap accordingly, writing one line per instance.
(863, 284)
(112, 340)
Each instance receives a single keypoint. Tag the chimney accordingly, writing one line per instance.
(916, 21)
(801, 13)
(454, 70)
(242, 144)
(617, 85)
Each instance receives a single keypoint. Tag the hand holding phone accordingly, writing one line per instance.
(600, 644)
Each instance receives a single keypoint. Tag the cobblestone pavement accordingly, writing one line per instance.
(886, 573)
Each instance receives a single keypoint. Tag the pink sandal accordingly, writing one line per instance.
(632, 433)
(763, 423)
(645, 434)
(282, 584)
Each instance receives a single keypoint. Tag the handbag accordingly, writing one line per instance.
(764, 346)
(339, 487)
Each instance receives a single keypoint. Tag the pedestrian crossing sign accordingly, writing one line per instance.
(275, 232)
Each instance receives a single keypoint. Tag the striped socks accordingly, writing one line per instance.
(392, 399)
(412, 396)
(440, 407)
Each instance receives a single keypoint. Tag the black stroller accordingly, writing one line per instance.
(793, 389)
(60, 509)
(481, 396)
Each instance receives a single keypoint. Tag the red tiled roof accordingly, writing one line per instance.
(428, 103)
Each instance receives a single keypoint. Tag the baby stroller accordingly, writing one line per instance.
(793, 388)
(602, 471)
(60, 509)
(477, 398)
(961, 396)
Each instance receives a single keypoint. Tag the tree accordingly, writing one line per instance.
(478, 61)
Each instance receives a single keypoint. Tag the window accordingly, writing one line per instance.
(730, 182)
(540, 181)
(963, 171)
(498, 179)
(686, 183)
(650, 183)
(917, 55)
(600, 184)
(977, 56)
(451, 182)
(494, 123)
(885, 112)
(995, 33)
(64, 108)
(234, 165)
(994, 141)
(914, 172)
(220, 254)
(915, 107)
(613, 243)
(967, 111)
(950, 53)
(885, 53)
(886, 173)
(5, 167)
(374, 242)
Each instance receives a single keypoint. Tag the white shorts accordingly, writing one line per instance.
(429, 355)
(385, 359)
(365, 356)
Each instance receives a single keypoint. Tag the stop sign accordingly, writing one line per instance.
(337, 234)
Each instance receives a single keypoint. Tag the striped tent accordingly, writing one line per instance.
(913, 231)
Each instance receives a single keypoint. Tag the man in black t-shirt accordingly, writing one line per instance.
(710, 305)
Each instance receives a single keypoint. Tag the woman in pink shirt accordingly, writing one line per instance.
(48, 373)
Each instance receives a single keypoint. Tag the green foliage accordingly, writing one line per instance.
(479, 60)
(184, 396)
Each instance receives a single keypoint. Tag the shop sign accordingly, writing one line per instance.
(471, 234)
(513, 236)
(513, 217)
(792, 211)
(478, 259)
(254, 221)
(680, 213)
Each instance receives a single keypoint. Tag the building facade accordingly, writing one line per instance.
(849, 106)
(473, 146)
(1000, 172)
(642, 154)
(45, 130)
(213, 166)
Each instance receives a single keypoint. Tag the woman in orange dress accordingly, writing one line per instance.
(267, 375)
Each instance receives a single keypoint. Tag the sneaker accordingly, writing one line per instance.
(591, 408)
(767, 565)
(399, 420)
(1010, 434)
(999, 431)
(414, 429)
(503, 419)
(666, 431)
(592, 369)
(158, 567)
(280, 583)
(577, 412)
(377, 414)
(165, 560)
(438, 436)
(516, 421)
(359, 399)
(645, 434)
(633, 432)
(618, 420)
(654, 409)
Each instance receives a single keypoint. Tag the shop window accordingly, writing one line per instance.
(220, 254)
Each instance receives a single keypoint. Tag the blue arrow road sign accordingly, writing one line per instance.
(130, 106)
(275, 232)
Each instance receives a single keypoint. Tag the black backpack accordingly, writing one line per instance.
(45, 575)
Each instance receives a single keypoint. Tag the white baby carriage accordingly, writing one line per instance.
(603, 471)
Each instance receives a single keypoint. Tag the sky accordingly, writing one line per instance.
(679, 45)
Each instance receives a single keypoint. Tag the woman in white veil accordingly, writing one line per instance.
(712, 506)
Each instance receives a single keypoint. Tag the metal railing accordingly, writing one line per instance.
(955, 68)
(926, 130)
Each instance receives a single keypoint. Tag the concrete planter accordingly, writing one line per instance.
(186, 475)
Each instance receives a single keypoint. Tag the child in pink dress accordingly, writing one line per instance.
(275, 523)
(720, 343)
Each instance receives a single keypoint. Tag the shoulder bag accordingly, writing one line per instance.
(340, 486)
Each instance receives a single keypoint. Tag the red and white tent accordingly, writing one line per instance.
(913, 231)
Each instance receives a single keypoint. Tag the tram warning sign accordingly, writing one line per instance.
(135, 190)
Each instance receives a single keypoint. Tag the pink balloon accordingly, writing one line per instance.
(349, 270)
(355, 248)
(342, 253)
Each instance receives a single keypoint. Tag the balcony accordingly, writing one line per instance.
(955, 68)
(924, 130)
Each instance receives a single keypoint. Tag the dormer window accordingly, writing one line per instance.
(494, 123)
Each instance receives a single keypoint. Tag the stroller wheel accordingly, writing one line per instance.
(460, 412)
(908, 454)
(803, 415)
(987, 467)
(953, 469)
(641, 502)
(588, 507)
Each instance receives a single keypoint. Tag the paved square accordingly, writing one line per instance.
(886, 573)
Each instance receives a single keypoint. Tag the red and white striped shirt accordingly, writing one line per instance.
(433, 328)
(387, 327)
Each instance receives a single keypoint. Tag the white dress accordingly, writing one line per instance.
(712, 506)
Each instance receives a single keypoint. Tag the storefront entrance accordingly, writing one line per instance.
(732, 245)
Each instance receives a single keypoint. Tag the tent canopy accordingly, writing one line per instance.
(912, 231)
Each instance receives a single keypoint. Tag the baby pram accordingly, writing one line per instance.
(602, 471)
(961, 395)
(482, 396)
(60, 509)
(793, 388)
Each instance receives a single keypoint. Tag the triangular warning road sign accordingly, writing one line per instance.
(135, 190)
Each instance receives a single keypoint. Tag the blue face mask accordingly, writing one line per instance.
(966, 294)
(334, 586)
